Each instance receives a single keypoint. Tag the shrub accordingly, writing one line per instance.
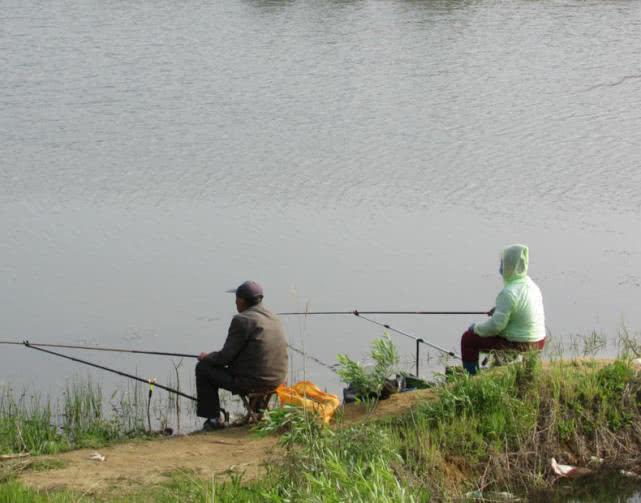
(369, 382)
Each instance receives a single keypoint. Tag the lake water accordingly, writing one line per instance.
(345, 154)
(608, 487)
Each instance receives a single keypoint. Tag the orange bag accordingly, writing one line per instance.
(307, 395)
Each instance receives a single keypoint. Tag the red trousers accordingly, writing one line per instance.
(471, 344)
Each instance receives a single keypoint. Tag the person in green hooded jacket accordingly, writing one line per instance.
(518, 320)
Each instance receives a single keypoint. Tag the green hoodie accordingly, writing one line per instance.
(519, 314)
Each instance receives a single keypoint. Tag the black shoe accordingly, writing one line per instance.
(213, 425)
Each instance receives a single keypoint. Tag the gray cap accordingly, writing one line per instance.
(248, 290)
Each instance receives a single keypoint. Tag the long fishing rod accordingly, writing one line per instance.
(157, 353)
(114, 371)
(418, 340)
(94, 348)
(317, 313)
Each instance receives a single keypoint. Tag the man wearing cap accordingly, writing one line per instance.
(253, 358)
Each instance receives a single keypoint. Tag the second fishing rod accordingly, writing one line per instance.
(418, 340)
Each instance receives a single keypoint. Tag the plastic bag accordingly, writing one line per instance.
(307, 395)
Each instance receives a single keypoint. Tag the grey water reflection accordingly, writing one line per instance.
(370, 155)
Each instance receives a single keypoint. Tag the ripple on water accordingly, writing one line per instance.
(363, 152)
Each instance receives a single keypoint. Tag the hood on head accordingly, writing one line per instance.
(515, 262)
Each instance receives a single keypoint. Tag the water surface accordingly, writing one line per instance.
(370, 155)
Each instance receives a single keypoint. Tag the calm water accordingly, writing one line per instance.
(604, 488)
(346, 154)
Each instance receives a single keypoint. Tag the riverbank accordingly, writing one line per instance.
(493, 433)
(131, 469)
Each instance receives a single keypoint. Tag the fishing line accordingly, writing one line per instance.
(314, 359)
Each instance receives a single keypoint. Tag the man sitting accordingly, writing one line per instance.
(518, 320)
(253, 358)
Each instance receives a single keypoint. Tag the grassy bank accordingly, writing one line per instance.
(80, 418)
(495, 432)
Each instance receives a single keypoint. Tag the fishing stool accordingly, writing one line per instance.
(255, 402)
(500, 357)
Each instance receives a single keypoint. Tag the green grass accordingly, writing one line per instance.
(80, 419)
(496, 431)
(15, 492)
(493, 432)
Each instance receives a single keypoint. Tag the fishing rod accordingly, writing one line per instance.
(94, 348)
(317, 313)
(156, 353)
(418, 340)
(114, 371)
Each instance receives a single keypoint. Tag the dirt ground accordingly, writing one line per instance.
(129, 467)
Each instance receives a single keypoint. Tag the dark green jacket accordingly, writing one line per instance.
(255, 351)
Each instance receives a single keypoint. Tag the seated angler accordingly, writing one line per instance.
(253, 358)
(518, 320)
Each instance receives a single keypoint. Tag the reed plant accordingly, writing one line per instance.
(29, 423)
